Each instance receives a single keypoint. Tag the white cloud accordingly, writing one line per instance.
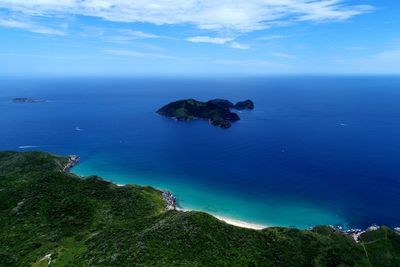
(127, 35)
(130, 53)
(29, 26)
(123, 35)
(219, 41)
(207, 39)
(138, 34)
(281, 55)
(236, 45)
(332, 10)
(221, 15)
(272, 37)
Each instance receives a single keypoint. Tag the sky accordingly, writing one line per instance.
(199, 37)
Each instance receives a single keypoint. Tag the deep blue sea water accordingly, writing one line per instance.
(316, 150)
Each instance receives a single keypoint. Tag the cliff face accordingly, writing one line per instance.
(47, 215)
(217, 112)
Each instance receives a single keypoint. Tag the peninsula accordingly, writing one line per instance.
(50, 217)
(217, 112)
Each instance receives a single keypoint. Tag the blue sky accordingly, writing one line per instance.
(199, 37)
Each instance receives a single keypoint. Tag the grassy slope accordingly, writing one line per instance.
(91, 222)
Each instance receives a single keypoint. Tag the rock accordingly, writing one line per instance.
(72, 161)
(170, 199)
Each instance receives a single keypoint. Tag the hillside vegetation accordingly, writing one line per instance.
(52, 218)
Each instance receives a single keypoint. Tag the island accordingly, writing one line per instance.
(217, 111)
(52, 217)
(27, 100)
(247, 104)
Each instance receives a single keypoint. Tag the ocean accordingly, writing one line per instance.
(316, 150)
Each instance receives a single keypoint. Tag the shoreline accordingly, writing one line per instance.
(231, 221)
(73, 160)
(240, 223)
(173, 204)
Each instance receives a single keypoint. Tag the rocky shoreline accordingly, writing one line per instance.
(170, 199)
(356, 234)
(72, 161)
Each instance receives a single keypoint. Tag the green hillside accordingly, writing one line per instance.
(49, 217)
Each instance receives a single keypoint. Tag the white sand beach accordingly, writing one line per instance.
(241, 223)
(234, 222)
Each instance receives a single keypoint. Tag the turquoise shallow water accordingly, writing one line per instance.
(316, 150)
(270, 212)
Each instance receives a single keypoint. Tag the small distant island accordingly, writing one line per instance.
(217, 111)
(27, 100)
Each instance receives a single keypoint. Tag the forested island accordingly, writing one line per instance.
(50, 217)
(217, 112)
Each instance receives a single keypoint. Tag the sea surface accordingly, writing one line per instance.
(316, 150)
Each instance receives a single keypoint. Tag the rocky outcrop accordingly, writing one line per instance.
(72, 161)
(170, 199)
